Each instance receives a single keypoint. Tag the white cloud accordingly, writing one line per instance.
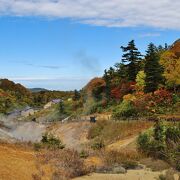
(150, 35)
(48, 78)
(109, 13)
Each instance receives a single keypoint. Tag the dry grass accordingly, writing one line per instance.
(113, 157)
(112, 131)
(16, 163)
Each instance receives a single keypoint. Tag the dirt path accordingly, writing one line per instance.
(131, 175)
(121, 144)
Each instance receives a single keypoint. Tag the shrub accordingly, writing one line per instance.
(83, 154)
(144, 142)
(163, 143)
(50, 141)
(159, 102)
(162, 177)
(96, 129)
(65, 163)
(97, 144)
(173, 134)
(124, 110)
(37, 146)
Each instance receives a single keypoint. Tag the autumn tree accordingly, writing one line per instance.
(131, 58)
(140, 81)
(152, 69)
(171, 64)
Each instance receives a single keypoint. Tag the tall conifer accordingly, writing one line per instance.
(131, 58)
(152, 69)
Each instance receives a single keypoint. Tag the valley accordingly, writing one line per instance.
(123, 125)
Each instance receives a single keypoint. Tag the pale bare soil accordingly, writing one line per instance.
(73, 134)
(130, 175)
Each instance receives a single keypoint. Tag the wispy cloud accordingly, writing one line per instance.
(46, 66)
(38, 65)
(109, 13)
(149, 35)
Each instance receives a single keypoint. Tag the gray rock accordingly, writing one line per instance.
(103, 170)
(119, 170)
(139, 167)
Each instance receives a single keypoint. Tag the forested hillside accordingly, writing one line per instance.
(15, 96)
(138, 85)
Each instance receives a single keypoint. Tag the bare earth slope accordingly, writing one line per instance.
(73, 134)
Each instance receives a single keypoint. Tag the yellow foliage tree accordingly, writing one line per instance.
(140, 81)
(171, 64)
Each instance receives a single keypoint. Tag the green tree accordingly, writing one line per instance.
(152, 69)
(121, 70)
(108, 84)
(132, 59)
(61, 107)
(76, 95)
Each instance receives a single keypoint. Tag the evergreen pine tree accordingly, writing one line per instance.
(131, 58)
(76, 95)
(61, 107)
(152, 69)
(108, 84)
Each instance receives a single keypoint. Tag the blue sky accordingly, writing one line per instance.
(48, 45)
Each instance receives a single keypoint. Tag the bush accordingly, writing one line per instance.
(97, 144)
(65, 163)
(124, 110)
(96, 129)
(144, 142)
(83, 154)
(162, 143)
(50, 141)
(37, 146)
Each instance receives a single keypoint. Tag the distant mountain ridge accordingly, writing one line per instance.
(33, 90)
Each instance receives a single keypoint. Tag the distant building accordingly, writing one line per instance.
(54, 101)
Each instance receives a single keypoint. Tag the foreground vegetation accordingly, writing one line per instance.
(163, 142)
